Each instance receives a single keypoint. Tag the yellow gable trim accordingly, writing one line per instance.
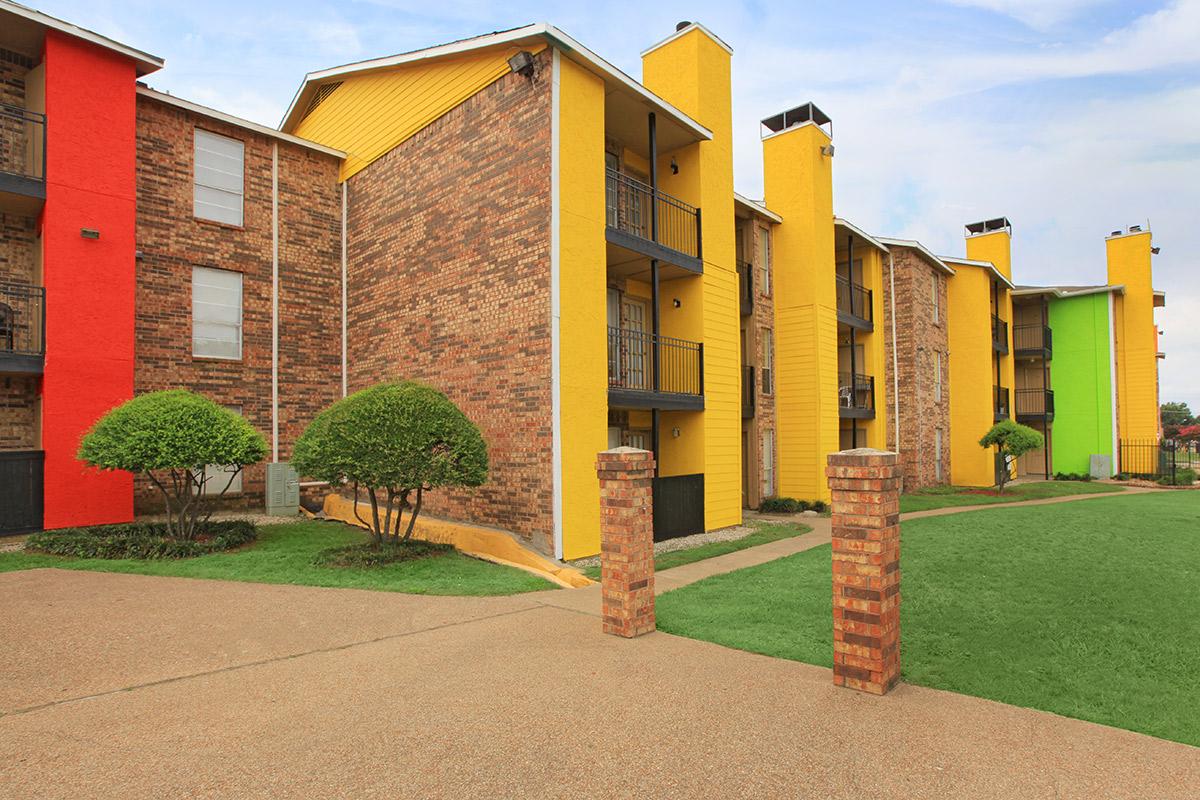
(370, 114)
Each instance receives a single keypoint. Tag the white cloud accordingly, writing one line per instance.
(1038, 14)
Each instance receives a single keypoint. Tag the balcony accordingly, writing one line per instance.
(1035, 405)
(1001, 406)
(746, 288)
(748, 387)
(648, 371)
(856, 396)
(22, 159)
(651, 223)
(854, 305)
(999, 335)
(22, 329)
(1033, 341)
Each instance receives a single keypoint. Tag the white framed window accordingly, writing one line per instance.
(763, 242)
(937, 376)
(218, 178)
(768, 361)
(937, 309)
(768, 463)
(217, 476)
(216, 313)
(937, 454)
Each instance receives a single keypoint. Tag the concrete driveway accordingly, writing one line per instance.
(132, 686)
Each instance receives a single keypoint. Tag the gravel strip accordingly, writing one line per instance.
(682, 543)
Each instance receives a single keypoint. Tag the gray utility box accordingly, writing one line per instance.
(1100, 466)
(283, 490)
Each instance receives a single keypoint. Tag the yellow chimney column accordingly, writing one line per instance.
(1136, 333)
(798, 179)
(691, 70)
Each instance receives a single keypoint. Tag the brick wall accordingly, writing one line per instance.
(449, 245)
(13, 68)
(18, 248)
(171, 241)
(18, 414)
(919, 340)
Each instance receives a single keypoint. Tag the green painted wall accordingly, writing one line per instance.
(1081, 376)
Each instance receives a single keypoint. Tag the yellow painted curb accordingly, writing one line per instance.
(485, 543)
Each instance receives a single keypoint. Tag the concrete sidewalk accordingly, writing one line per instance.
(131, 686)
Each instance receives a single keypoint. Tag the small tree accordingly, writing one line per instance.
(398, 439)
(1011, 439)
(171, 436)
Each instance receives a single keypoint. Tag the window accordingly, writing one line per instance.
(216, 313)
(768, 463)
(937, 376)
(937, 454)
(768, 361)
(764, 257)
(217, 477)
(937, 311)
(219, 173)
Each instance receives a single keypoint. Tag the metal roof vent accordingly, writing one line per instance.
(798, 116)
(681, 25)
(989, 226)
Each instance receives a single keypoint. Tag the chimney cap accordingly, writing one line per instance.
(682, 24)
(989, 226)
(799, 115)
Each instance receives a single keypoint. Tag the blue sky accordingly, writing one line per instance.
(1071, 117)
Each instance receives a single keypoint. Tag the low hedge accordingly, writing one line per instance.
(367, 555)
(789, 505)
(144, 540)
(1183, 477)
(1072, 476)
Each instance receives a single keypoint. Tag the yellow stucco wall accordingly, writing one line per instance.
(971, 376)
(581, 263)
(692, 72)
(1137, 342)
(996, 247)
(371, 113)
(799, 187)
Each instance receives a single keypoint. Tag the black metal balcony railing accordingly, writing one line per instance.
(999, 334)
(1000, 403)
(22, 142)
(856, 391)
(629, 203)
(22, 319)
(1035, 402)
(746, 288)
(854, 299)
(633, 356)
(1030, 340)
(748, 387)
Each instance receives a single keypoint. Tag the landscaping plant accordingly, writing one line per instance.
(396, 441)
(143, 540)
(1012, 440)
(170, 437)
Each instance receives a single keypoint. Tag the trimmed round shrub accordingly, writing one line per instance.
(782, 505)
(144, 540)
(368, 554)
(819, 506)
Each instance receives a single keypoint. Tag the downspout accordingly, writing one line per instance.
(345, 186)
(655, 421)
(275, 302)
(895, 359)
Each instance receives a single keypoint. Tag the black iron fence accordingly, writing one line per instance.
(1032, 339)
(629, 204)
(22, 319)
(1001, 404)
(1035, 402)
(856, 391)
(746, 288)
(748, 387)
(22, 142)
(999, 334)
(634, 357)
(854, 299)
(21, 491)
(1152, 459)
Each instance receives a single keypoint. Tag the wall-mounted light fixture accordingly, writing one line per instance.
(675, 433)
(827, 150)
(674, 166)
(522, 63)
(89, 233)
(1155, 250)
(676, 303)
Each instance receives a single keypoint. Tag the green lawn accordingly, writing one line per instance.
(766, 532)
(945, 496)
(284, 554)
(1085, 609)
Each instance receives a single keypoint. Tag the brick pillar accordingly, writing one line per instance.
(866, 569)
(626, 541)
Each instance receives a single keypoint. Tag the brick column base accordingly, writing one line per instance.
(866, 569)
(626, 541)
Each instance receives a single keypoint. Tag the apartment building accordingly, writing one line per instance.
(511, 219)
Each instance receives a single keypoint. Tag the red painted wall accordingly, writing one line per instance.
(90, 150)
